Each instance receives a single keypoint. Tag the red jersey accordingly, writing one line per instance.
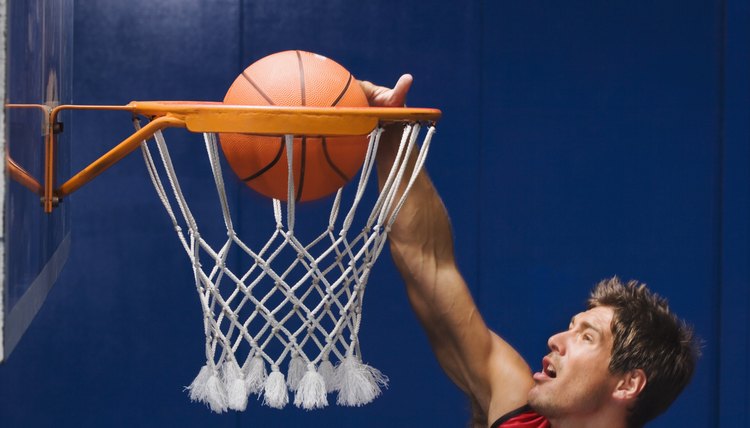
(523, 417)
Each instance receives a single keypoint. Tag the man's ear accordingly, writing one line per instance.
(630, 385)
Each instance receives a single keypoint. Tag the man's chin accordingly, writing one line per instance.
(545, 401)
(536, 396)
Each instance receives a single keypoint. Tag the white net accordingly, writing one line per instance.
(285, 317)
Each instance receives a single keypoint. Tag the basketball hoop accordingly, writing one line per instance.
(286, 317)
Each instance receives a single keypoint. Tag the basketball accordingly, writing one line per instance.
(321, 165)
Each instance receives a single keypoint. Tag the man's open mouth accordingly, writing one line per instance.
(548, 368)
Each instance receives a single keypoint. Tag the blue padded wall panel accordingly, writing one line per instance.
(138, 320)
(735, 294)
(600, 157)
(119, 338)
(578, 142)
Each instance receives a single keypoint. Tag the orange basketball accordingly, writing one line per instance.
(321, 165)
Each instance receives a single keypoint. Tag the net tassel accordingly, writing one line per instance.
(296, 371)
(329, 375)
(208, 389)
(234, 385)
(255, 375)
(359, 383)
(197, 389)
(215, 394)
(275, 393)
(311, 391)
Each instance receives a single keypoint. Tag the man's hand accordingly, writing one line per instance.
(380, 96)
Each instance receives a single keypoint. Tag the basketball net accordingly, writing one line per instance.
(286, 318)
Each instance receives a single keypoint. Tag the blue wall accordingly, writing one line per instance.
(580, 140)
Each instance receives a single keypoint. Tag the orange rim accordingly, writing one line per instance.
(278, 120)
(202, 116)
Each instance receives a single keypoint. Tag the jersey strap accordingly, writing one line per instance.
(523, 417)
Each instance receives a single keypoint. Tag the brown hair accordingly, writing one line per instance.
(647, 336)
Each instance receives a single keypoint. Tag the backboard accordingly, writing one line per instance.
(36, 68)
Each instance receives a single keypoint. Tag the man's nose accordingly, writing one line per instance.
(556, 343)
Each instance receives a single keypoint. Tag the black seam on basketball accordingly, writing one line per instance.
(270, 165)
(341, 95)
(331, 164)
(302, 169)
(257, 88)
(301, 77)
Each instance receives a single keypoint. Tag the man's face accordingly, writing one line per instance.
(575, 379)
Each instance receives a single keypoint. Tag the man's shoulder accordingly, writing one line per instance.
(523, 417)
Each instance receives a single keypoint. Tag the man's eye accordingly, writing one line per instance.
(588, 338)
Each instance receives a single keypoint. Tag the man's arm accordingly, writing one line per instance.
(483, 365)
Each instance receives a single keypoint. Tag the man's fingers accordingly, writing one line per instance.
(380, 96)
(398, 95)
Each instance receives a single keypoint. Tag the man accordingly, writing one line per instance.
(619, 364)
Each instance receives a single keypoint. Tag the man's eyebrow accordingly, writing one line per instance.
(585, 325)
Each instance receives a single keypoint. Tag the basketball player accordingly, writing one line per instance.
(620, 363)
